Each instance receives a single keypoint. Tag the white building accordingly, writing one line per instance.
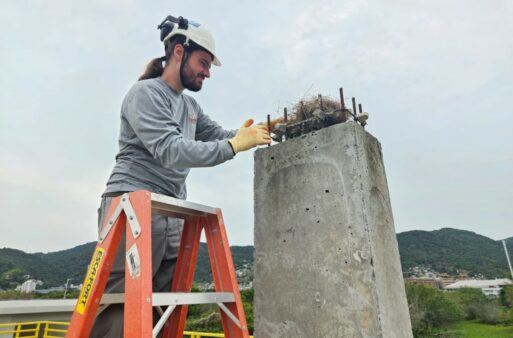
(490, 287)
(28, 286)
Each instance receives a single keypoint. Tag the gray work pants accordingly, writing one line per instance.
(165, 240)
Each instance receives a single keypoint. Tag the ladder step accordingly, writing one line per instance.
(170, 206)
(176, 298)
(179, 298)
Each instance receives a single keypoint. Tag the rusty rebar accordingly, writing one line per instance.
(269, 126)
(303, 113)
(342, 105)
(354, 108)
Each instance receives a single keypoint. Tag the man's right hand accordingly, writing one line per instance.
(248, 137)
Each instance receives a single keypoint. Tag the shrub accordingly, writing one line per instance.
(469, 300)
(506, 296)
(430, 308)
(476, 305)
(488, 312)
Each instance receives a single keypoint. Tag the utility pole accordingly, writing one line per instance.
(507, 256)
(66, 288)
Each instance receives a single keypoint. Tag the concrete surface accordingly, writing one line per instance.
(326, 256)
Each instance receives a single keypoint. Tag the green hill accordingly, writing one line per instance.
(55, 267)
(52, 268)
(444, 250)
(448, 250)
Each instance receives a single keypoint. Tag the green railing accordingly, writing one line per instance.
(49, 329)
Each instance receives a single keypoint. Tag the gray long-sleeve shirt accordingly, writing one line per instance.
(163, 134)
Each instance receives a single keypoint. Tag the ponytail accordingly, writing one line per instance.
(153, 69)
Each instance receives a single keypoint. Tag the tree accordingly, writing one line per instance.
(247, 302)
(470, 301)
(430, 308)
(476, 305)
(506, 296)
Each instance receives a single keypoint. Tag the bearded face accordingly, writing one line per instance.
(195, 69)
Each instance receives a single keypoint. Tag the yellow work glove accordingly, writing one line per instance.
(248, 137)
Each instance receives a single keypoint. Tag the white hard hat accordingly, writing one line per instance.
(199, 35)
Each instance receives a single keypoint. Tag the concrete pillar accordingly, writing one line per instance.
(326, 255)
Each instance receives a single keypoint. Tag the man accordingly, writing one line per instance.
(163, 134)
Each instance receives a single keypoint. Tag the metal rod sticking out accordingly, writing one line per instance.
(507, 256)
(285, 121)
(320, 101)
(269, 127)
(342, 105)
(303, 113)
(354, 108)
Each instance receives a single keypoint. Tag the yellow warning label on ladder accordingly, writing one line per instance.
(89, 280)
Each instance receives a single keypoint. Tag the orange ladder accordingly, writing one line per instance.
(131, 212)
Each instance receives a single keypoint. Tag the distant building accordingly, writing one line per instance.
(246, 286)
(490, 287)
(446, 281)
(28, 286)
(462, 275)
(433, 282)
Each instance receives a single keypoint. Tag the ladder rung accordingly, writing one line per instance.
(170, 206)
(176, 298)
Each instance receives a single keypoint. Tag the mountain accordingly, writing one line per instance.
(448, 250)
(444, 250)
(55, 268)
(242, 259)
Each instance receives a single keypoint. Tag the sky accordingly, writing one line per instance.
(435, 76)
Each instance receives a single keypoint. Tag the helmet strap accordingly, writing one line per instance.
(185, 57)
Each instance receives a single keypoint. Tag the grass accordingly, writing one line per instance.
(473, 329)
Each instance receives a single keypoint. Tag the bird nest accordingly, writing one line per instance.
(314, 106)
